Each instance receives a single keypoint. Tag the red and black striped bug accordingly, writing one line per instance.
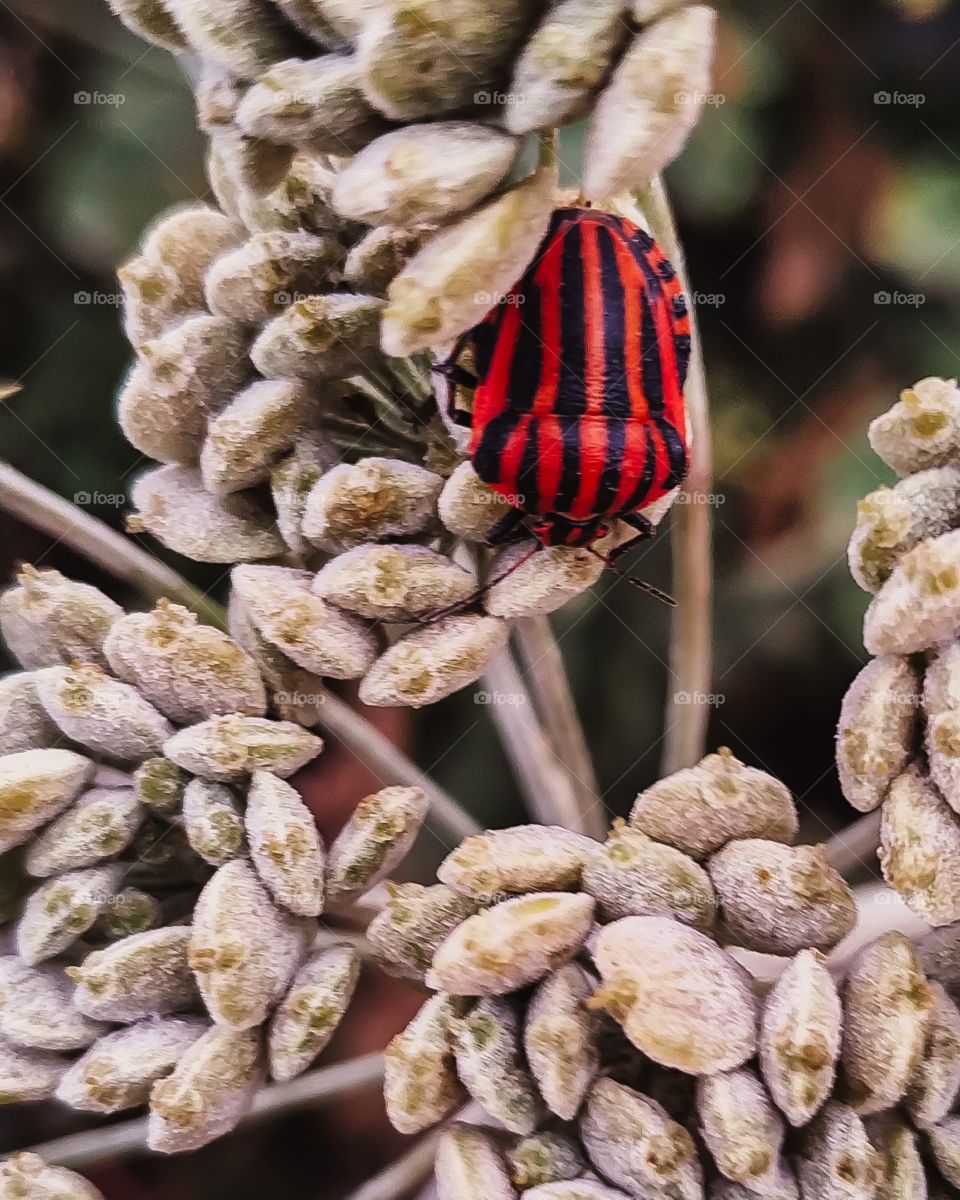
(578, 414)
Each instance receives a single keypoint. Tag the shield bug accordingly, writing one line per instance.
(577, 377)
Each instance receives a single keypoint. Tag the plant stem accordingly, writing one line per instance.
(88, 535)
(543, 778)
(550, 689)
(691, 637)
(401, 1176)
(130, 1137)
(855, 848)
(447, 819)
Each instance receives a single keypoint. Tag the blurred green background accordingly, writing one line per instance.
(819, 202)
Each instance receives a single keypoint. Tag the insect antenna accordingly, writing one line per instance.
(642, 584)
(430, 618)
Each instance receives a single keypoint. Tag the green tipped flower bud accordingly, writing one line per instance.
(800, 1037)
(211, 1088)
(260, 278)
(315, 104)
(878, 721)
(99, 826)
(560, 1039)
(118, 1072)
(159, 785)
(307, 1017)
(646, 112)
(243, 950)
(378, 835)
(373, 500)
(393, 582)
(174, 506)
(681, 1000)
(188, 670)
(212, 821)
(320, 337)
(35, 787)
(434, 662)
(423, 174)
(284, 844)
(513, 944)
(146, 974)
(447, 287)
(700, 809)
(568, 56)
(100, 713)
(63, 909)
(420, 1082)
(316, 635)
(48, 619)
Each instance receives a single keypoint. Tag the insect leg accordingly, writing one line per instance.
(505, 527)
(636, 521)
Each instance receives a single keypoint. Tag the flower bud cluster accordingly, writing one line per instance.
(593, 1000)
(162, 878)
(898, 742)
(374, 195)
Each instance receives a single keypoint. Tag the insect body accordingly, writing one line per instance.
(578, 412)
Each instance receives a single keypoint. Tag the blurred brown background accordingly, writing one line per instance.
(819, 203)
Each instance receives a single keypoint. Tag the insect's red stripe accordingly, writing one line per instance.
(549, 276)
(636, 438)
(512, 458)
(491, 403)
(593, 431)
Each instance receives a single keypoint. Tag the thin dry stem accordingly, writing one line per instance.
(95, 540)
(129, 1137)
(550, 689)
(543, 778)
(854, 849)
(691, 638)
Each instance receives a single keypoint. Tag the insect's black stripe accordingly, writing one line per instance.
(484, 342)
(642, 490)
(650, 362)
(676, 455)
(528, 483)
(571, 400)
(522, 384)
(616, 397)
